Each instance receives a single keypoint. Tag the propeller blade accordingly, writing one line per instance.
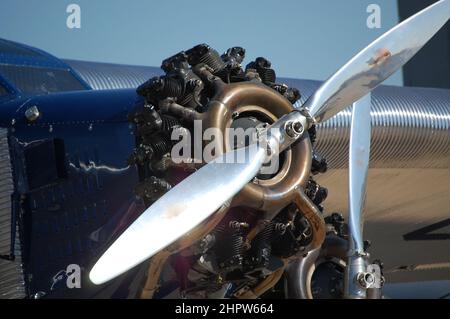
(358, 167)
(179, 211)
(377, 62)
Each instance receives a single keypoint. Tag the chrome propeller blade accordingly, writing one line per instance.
(179, 211)
(377, 62)
(358, 167)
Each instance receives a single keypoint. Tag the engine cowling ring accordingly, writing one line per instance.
(256, 98)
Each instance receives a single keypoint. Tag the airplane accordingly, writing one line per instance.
(74, 178)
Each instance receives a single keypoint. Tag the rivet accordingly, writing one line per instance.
(32, 113)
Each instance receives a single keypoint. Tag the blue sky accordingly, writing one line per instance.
(303, 38)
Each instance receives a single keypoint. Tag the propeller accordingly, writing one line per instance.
(201, 194)
(358, 167)
(178, 211)
(378, 61)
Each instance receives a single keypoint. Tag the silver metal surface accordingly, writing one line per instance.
(180, 210)
(356, 266)
(12, 283)
(410, 128)
(377, 62)
(280, 136)
(108, 76)
(408, 181)
(358, 167)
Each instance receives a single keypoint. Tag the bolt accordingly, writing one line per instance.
(298, 127)
(39, 295)
(365, 279)
(32, 113)
(268, 151)
(294, 129)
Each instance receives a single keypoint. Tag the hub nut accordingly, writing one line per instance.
(294, 129)
(365, 279)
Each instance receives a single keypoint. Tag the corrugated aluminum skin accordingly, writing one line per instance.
(11, 273)
(410, 125)
(104, 76)
(410, 128)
